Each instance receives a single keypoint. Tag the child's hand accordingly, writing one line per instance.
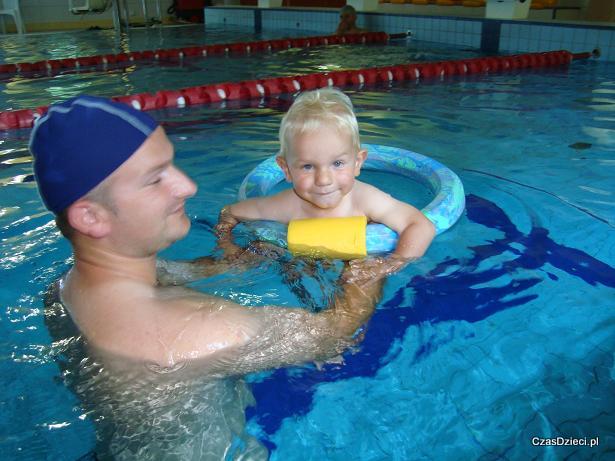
(226, 222)
(223, 230)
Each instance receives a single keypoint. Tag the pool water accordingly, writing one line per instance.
(503, 332)
(23, 91)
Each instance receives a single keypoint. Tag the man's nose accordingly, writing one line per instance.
(183, 186)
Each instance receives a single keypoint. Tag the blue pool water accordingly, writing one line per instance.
(503, 332)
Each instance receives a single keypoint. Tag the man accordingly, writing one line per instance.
(106, 171)
(348, 19)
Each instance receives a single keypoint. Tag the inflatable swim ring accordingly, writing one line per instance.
(443, 211)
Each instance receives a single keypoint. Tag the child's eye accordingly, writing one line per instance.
(338, 164)
(306, 167)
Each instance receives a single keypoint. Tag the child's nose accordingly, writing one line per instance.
(323, 177)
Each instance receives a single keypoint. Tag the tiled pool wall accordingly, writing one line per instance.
(491, 35)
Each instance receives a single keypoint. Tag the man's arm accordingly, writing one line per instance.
(232, 339)
(169, 273)
(290, 336)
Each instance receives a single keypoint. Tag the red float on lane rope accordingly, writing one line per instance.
(24, 118)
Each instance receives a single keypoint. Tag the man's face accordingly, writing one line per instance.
(147, 195)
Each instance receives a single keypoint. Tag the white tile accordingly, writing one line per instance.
(592, 38)
(505, 44)
(533, 32)
(514, 31)
(578, 35)
(608, 36)
(546, 33)
(566, 45)
(559, 34)
(536, 45)
(514, 44)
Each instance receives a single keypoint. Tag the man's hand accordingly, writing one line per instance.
(372, 269)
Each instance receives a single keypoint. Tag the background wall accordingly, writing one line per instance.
(506, 36)
(45, 15)
(303, 3)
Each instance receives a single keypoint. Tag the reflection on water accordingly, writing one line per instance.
(35, 89)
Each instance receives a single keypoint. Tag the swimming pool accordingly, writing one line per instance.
(502, 333)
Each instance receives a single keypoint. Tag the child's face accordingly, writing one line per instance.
(322, 165)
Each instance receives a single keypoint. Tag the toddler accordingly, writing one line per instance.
(321, 156)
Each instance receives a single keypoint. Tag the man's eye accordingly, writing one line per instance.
(155, 181)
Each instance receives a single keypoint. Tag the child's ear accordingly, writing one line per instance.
(361, 156)
(282, 164)
(89, 218)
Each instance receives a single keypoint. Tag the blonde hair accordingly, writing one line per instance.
(313, 109)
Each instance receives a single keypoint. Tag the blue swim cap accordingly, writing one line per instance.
(80, 142)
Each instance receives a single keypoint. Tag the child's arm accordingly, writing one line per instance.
(272, 208)
(415, 231)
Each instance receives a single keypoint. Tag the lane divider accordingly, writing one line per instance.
(217, 92)
(176, 55)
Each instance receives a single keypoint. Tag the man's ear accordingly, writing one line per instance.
(282, 164)
(361, 156)
(89, 218)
